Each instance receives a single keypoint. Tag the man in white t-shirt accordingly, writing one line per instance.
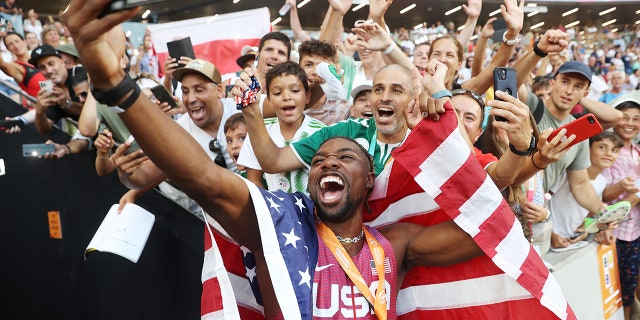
(202, 93)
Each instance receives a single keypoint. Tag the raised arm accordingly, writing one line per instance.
(518, 128)
(478, 53)
(375, 38)
(294, 20)
(550, 41)
(377, 10)
(513, 16)
(221, 193)
(42, 122)
(607, 116)
(272, 158)
(472, 9)
(332, 25)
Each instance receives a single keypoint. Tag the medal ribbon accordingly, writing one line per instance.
(379, 302)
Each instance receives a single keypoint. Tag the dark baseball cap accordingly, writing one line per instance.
(41, 52)
(576, 67)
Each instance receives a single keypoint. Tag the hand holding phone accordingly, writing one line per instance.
(504, 79)
(583, 128)
(37, 149)
(46, 85)
(8, 124)
(161, 93)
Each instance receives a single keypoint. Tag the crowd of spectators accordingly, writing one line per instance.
(562, 74)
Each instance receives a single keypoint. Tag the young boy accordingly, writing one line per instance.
(288, 93)
(327, 99)
(235, 132)
(568, 223)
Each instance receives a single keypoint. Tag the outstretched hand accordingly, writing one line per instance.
(488, 30)
(373, 36)
(378, 8)
(513, 14)
(341, 6)
(100, 42)
(472, 8)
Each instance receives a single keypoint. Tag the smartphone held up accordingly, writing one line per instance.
(504, 79)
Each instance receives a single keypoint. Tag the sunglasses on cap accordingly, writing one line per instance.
(478, 99)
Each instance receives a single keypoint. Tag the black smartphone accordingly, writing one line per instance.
(504, 79)
(37, 149)
(119, 5)
(161, 93)
(8, 124)
(181, 48)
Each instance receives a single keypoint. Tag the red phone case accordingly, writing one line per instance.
(584, 128)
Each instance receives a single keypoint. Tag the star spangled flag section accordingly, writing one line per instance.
(434, 177)
(218, 39)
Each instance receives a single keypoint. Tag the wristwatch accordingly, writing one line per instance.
(511, 42)
(527, 152)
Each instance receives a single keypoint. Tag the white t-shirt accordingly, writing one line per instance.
(203, 138)
(566, 213)
(291, 181)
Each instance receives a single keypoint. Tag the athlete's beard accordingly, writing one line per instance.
(337, 214)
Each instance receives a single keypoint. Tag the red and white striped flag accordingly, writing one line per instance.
(218, 39)
(434, 177)
(226, 290)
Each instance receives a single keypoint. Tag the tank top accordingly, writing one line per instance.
(334, 294)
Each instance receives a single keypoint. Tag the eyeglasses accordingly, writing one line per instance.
(478, 99)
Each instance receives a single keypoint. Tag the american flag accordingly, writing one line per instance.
(434, 177)
(287, 230)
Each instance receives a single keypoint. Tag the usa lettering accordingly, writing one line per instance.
(345, 301)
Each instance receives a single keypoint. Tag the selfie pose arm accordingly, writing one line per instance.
(101, 43)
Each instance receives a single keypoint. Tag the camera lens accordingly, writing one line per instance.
(591, 119)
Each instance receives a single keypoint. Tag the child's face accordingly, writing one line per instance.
(235, 139)
(288, 98)
(543, 93)
(627, 128)
(309, 64)
(603, 153)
